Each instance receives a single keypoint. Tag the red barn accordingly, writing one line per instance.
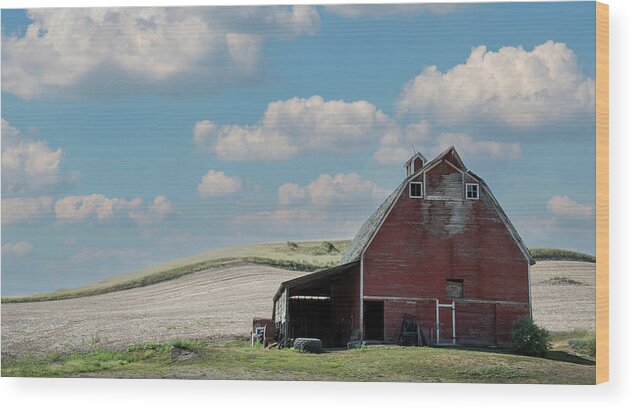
(439, 251)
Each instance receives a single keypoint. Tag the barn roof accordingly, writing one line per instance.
(368, 229)
(353, 252)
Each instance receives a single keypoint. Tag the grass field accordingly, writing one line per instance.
(552, 254)
(238, 360)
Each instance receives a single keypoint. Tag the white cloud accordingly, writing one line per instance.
(564, 206)
(331, 206)
(97, 207)
(244, 49)
(383, 10)
(296, 125)
(78, 51)
(28, 166)
(396, 145)
(469, 146)
(16, 210)
(328, 190)
(216, 183)
(511, 86)
(17, 248)
(82, 208)
(156, 212)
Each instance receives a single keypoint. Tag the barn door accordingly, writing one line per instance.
(446, 323)
(373, 320)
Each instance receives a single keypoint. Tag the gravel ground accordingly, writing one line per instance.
(220, 303)
(563, 307)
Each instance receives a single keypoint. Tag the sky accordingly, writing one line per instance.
(134, 136)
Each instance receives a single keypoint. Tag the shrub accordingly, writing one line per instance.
(292, 245)
(329, 248)
(529, 339)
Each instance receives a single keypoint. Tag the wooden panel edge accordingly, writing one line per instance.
(602, 193)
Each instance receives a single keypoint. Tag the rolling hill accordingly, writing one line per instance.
(306, 256)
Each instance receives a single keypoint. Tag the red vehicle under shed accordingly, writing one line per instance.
(439, 251)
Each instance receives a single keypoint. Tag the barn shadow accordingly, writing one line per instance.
(561, 356)
(554, 355)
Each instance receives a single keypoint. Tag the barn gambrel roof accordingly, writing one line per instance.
(363, 238)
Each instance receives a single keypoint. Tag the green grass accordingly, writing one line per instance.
(551, 254)
(304, 256)
(581, 342)
(299, 256)
(56, 365)
(240, 361)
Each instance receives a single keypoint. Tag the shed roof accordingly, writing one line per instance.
(313, 277)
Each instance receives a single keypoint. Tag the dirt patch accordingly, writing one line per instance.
(217, 304)
(560, 307)
(562, 281)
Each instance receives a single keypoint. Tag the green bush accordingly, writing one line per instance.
(329, 248)
(529, 339)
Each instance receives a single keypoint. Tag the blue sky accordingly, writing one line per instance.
(134, 136)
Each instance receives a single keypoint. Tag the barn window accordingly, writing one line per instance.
(473, 191)
(415, 189)
(455, 289)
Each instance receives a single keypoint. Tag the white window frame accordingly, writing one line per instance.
(421, 189)
(466, 191)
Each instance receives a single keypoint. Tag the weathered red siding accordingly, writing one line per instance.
(422, 243)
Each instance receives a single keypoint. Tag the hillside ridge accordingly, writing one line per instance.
(304, 256)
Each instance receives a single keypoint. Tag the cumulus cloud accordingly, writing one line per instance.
(28, 166)
(469, 146)
(16, 210)
(97, 207)
(216, 184)
(383, 10)
(396, 145)
(81, 208)
(78, 51)
(510, 86)
(566, 207)
(297, 125)
(157, 211)
(328, 190)
(17, 248)
(329, 206)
